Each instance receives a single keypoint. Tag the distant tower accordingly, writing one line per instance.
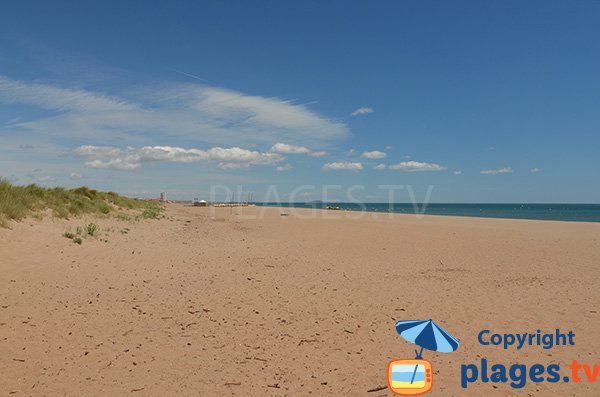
(163, 196)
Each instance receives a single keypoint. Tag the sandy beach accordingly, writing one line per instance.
(247, 302)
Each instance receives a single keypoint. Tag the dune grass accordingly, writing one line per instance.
(18, 202)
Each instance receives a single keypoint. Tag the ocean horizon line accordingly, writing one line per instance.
(532, 211)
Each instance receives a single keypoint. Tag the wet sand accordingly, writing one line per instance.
(246, 302)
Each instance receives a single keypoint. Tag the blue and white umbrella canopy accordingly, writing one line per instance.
(428, 335)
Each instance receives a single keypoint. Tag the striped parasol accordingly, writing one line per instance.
(428, 335)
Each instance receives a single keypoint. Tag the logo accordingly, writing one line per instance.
(408, 377)
(520, 375)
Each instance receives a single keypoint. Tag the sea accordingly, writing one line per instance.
(547, 212)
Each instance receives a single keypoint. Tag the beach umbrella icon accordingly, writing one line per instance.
(427, 335)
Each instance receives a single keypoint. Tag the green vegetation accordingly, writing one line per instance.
(72, 236)
(91, 229)
(18, 202)
(123, 217)
(151, 212)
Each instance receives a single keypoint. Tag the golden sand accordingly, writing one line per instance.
(215, 301)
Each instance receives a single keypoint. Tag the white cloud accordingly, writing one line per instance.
(342, 165)
(375, 154)
(457, 172)
(75, 175)
(505, 170)
(190, 111)
(380, 167)
(122, 164)
(293, 149)
(46, 179)
(535, 170)
(351, 152)
(285, 167)
(232, 166)
(131, 158)
(411, 166)
(289, 149)
(97, 151)
(362, 110)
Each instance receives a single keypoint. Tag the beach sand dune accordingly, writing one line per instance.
(247, 302)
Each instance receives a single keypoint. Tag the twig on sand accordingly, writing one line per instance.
(378, 388)
(233, 383)
(306, 341)
(140, 389)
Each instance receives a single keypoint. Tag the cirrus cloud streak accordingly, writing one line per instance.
(192, 112)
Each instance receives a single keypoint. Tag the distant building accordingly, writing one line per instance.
(200, 203)
(163, 196)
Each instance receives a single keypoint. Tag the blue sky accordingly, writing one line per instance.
(484, 101)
